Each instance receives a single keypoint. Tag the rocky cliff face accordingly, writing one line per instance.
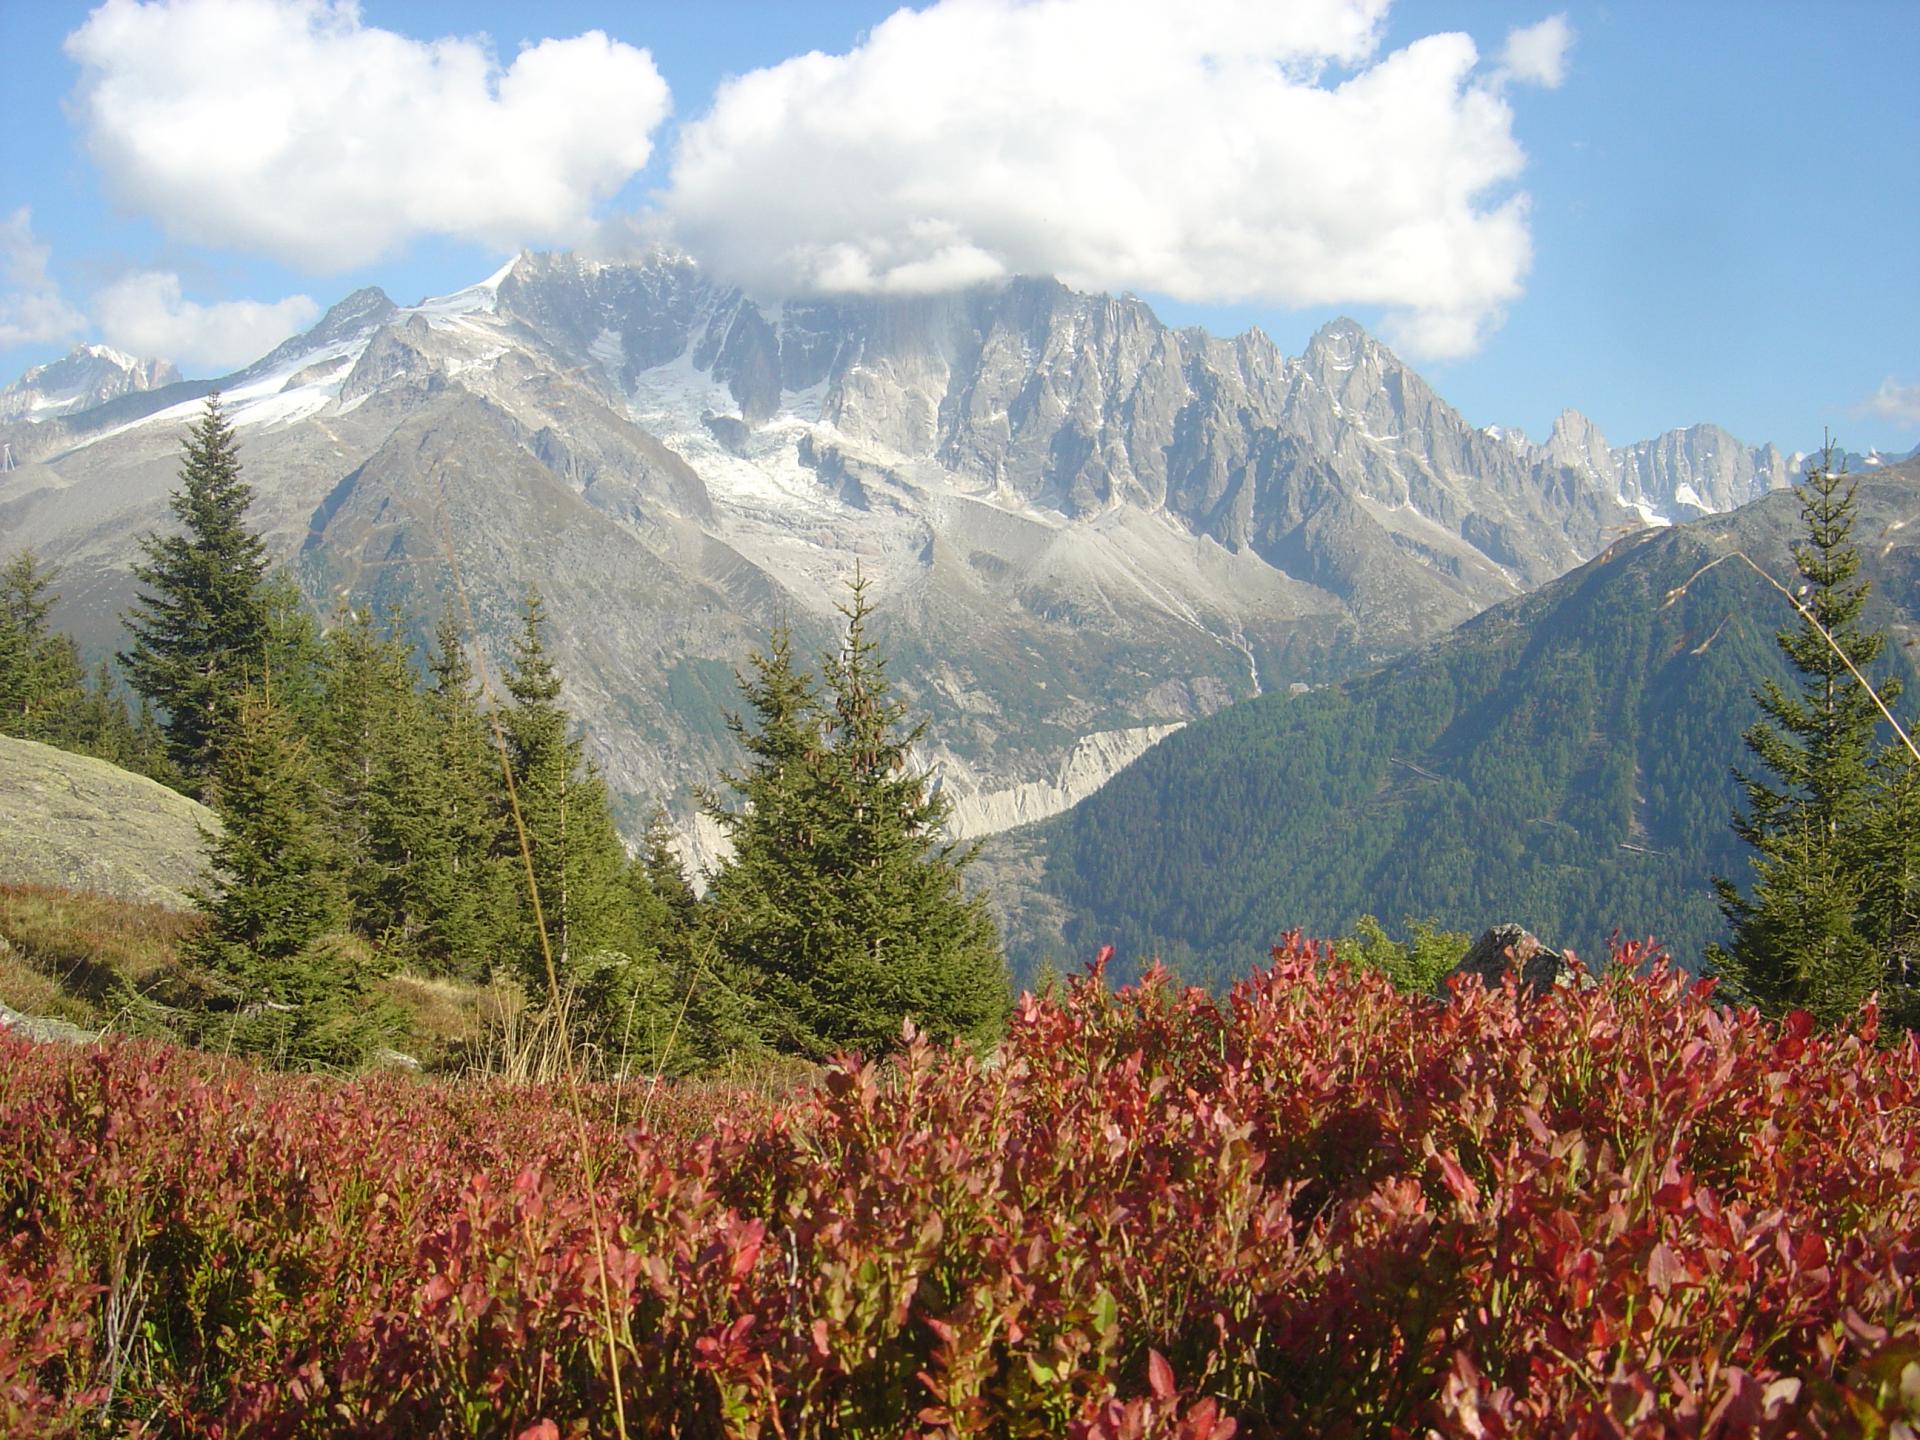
(88, 376)
(1077, 521)
(1680, 475)
(1088, 764)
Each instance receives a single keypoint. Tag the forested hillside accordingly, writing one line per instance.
(1563, 760)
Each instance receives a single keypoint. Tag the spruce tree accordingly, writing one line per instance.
(100, 724)
(841, 896)
(463, 887)
(934, 949)
(1813, 932)
(1891, 858)
(41, 680)
(768, 908)
(44, 692)
(292, 649)
(665, 877)
(579, 866)
(200, 627)
(373, 739)
(287, 988)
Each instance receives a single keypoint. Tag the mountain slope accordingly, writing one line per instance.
(1562, 760)
(1077, 521)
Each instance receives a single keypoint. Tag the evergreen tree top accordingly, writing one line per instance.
(533, 681)
(24, 583)
(449, 666)
(203, 624)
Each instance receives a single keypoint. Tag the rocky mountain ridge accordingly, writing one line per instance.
(87, 376)
(1077, 520)
(1680, 475)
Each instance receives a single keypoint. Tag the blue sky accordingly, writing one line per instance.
(1657, 213)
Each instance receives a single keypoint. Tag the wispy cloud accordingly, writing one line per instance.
(147, 314)
(32, 310)
(1536, 54)
(1224, 152)
(290, 128)
(1893, 401)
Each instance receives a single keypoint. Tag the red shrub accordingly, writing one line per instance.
(1316, 1207)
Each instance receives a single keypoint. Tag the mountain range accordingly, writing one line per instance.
(1083, 528)
(1563, 760)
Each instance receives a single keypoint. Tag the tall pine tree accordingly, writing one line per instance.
(579, 865)
(463, 886)
(288, 989)
(1814, 931)
(200, 627)
(842, 895)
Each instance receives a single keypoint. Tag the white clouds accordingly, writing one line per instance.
(1213, 153)
(1537, 54)
(288, 127)
(1226, 151)
(146, 314)
(1894, 401)
(31, 308)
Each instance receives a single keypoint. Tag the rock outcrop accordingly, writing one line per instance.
(77, 822)
(39, 1027)
(1505, 947)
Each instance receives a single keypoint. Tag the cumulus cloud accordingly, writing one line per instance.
(146, 314)
(1233, 151)
(32, 311)
(1894, 401)
(289, 127)
(1537, 54)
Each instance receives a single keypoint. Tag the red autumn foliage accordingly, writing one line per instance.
(1316, 1207)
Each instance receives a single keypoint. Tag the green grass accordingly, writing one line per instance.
(108, 964)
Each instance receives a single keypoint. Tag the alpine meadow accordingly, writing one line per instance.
(900, 767)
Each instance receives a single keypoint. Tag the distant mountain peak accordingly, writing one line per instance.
(1341, 338)
(362, 312)
(86, 376)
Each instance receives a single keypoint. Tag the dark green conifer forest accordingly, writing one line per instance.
(1563, 761)
(384, 811)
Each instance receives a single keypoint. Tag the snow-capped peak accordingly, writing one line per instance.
(88, 375)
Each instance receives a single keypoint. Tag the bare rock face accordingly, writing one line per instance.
(82, 824)
(90, 375)
(1093, 760)
(1680, 475)
(1505, 947)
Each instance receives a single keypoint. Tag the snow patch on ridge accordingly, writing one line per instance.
(1647, 512)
